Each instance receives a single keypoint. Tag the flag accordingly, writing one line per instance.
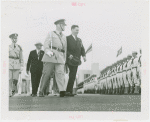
(89, 49)
(119, 51)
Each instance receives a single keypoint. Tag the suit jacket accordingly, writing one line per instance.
(34, 64)
(59, 57)
(74, 47)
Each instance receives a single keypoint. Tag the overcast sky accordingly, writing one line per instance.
(108, 26)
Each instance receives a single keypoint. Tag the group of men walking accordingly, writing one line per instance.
(123, 77)
(60, 53)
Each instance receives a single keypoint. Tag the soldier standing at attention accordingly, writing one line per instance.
(15, 63)
(118, 78)
(129, 76)
(55, 48)
(126, 83)
(121, 78)
(139, 68)
(135, 72)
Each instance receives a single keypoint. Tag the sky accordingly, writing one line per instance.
(107, 25)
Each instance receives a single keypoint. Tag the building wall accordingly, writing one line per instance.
(81, 74)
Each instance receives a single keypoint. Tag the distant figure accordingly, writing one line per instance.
(75, 49)
(15, 64)
(35, 66)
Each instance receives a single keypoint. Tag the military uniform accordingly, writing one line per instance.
(55, 42)
(126, 84)
(139, 72)
(118, 79)
(135, 74)
(121, 78)
(113, 81)
(102, 84)
(15, 64)
(129, 76)
(108, 82)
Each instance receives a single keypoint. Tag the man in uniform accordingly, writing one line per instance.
(55, 48)
(126, 83)
(108, 81)
(129, 74)
(75, 50)
(118, 78)
(124, 76)
(139, 69)
(134, 71)
(113, 80)
(15, 63)
(121, 78)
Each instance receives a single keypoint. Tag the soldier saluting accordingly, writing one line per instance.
(15, 63)
(54, 59)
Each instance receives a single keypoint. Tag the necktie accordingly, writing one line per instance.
(14, 45)
(38, 54)
(75, 37)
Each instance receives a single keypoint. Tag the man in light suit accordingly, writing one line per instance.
(55, 47)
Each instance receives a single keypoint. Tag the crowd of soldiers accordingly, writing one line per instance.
(122, 77)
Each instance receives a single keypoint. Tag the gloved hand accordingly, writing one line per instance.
(49, 53)
(70, 57)
(21, 69)
(84, 58)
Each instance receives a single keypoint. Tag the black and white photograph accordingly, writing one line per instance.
(79, 60)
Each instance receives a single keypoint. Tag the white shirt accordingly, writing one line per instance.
(73, 36)
(37, 51)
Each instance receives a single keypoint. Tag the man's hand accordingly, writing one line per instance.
(21, 69)
(84, 58)
(71, 56)
(50, 53)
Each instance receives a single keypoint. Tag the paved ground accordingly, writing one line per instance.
(85, 102)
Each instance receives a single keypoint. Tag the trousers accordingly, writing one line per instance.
(48, 69)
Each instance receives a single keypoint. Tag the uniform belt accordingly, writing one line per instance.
(60, 50)
(13, 57)
(134, 67)
(128, 69)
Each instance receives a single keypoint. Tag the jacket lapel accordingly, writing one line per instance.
(35, 53)
(41, 55)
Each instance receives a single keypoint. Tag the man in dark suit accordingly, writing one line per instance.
(75, 49)
(35, 66)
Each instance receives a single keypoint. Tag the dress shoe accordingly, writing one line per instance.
(68, 94)
(34, 95)
(41, 94)
(62, 93)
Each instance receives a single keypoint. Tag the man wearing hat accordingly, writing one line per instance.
(55, 48)
(35, 66)
(75, 50)
(15, 63)
(135, 64)
(129, 74)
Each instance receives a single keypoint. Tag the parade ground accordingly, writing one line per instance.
(81, 102)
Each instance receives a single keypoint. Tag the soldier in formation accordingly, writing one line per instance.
(122, 77)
